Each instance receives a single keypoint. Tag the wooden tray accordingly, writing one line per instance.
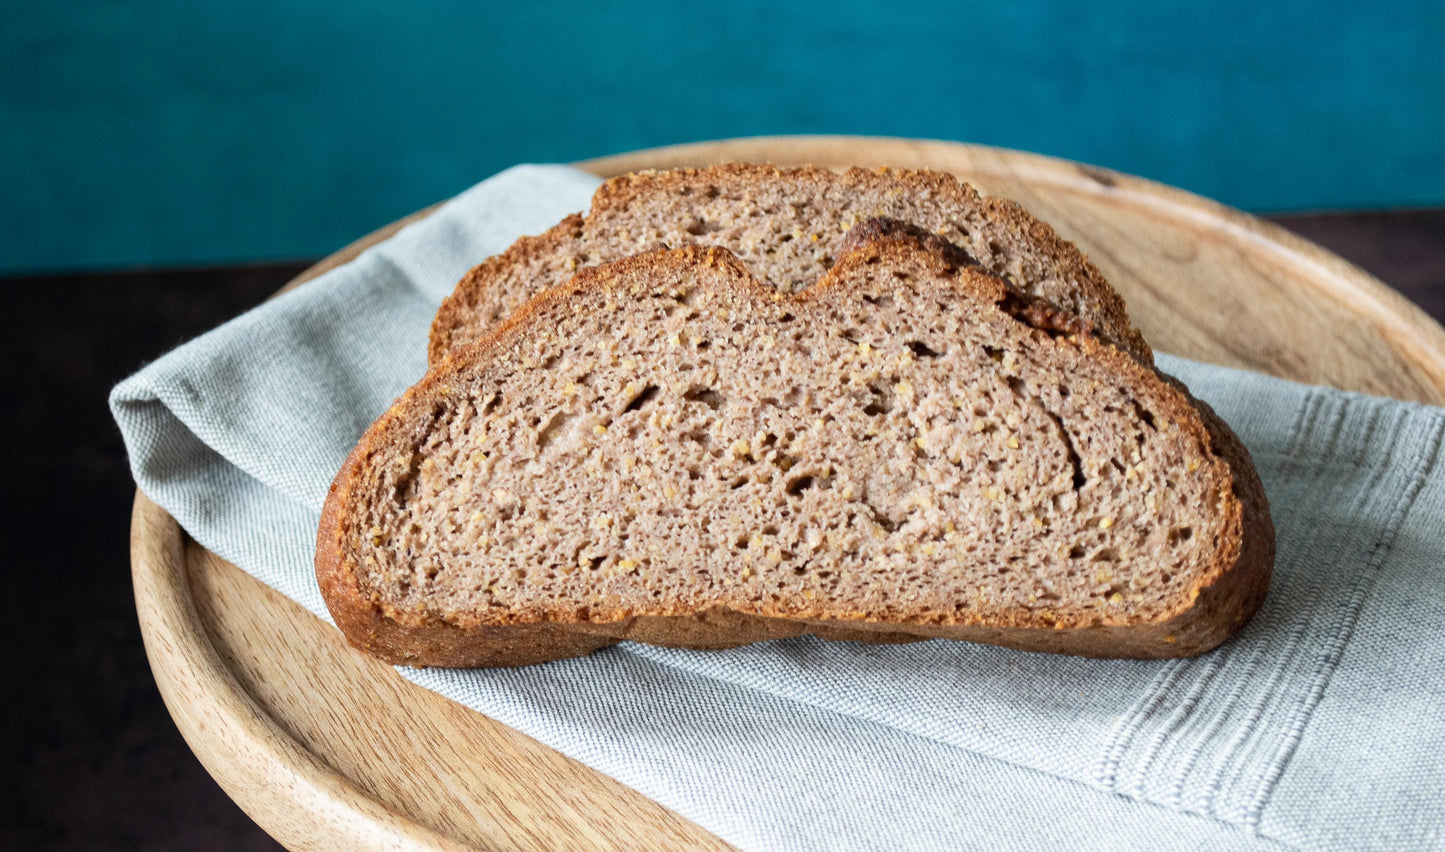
(326, 748)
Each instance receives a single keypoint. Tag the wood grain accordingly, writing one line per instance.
(326, 748)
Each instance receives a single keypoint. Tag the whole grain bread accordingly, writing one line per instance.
(786, 226)
(668, 450)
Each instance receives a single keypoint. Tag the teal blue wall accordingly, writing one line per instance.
(198, 131)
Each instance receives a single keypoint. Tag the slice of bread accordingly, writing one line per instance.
(785, 225)
(667, 450)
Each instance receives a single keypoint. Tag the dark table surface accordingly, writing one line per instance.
(92, 759)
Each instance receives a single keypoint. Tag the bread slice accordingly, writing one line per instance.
(786, 226)
(667, 450)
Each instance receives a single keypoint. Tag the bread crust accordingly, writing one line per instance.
(458, 320)
(1220, 600)
(461, 308)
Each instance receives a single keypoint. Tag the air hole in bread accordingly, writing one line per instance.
(1079, 480)
(702, 227)
(705, 395)
(1144, 414)
(881, 402)
(798, 485)
(548, 434)
(645, 396)
(923, 350)
(880, 517)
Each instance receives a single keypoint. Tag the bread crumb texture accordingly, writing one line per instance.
(913, 442)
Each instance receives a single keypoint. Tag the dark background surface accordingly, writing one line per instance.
(92, 759)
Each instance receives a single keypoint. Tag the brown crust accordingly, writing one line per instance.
(459, 311)
(1221, 600)
(461, 307)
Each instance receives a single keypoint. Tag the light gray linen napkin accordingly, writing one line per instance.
(1321, 726)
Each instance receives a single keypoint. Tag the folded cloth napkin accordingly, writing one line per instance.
(1321, 725)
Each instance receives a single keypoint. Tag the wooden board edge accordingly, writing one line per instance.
(251, 756)
(241, 746)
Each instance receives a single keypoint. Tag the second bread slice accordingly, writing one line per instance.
(786, 226)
